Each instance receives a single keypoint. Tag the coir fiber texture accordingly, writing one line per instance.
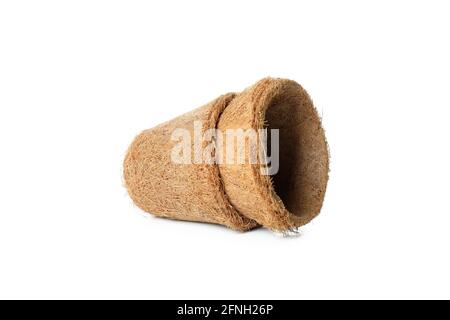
(237, 195)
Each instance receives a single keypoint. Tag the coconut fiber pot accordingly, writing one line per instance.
(243, 194)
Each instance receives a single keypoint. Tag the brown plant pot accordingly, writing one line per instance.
(237, 195)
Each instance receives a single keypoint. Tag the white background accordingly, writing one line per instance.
(79, 79)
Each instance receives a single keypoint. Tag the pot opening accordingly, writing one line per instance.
(301, 180)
